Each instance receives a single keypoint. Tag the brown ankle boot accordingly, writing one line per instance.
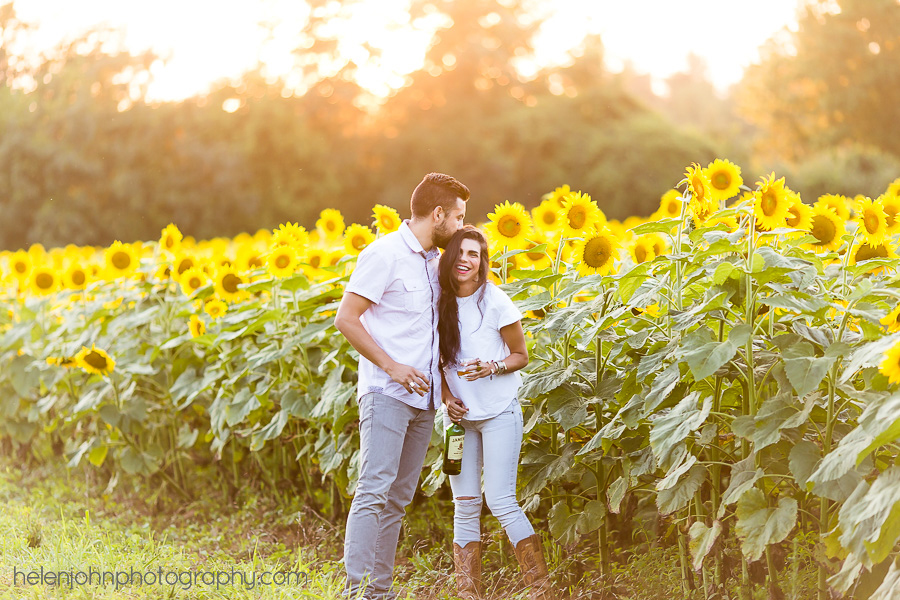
(467, 560)
(534, 568)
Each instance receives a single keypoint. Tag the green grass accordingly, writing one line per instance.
(65, 520)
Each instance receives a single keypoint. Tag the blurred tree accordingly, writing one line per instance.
(834, 81)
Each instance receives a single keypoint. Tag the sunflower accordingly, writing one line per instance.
(317, 257)
(836, 203)
(643, 249)
(196, 326)
(227, 281)
(702, 209)
(94, 360)
(559, 196)
(799, 214)
(121, 259)
(20, 264)
(893, 188)
(170, 238)
(192, 280)
(75, 277)
(864, 251)
(892, 320)
(580, 215)
(183, 262)
(43, 281)
(546, 216)
(698, 183)
(724, 179)
(331, 223)
(730, 222)
(290, 234)
(597, 252)
(282, 261)
(891, 205)
(826, 227)
(357, 237)
(669, 205)
(509, 226)
(890, 365)
(215, 308)
(771, 203)
(872, 221)
(539, 259)
(385, 219)
(249, 257)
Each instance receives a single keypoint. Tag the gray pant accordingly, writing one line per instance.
(393, 439)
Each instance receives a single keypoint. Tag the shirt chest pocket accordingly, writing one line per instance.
(416, 295)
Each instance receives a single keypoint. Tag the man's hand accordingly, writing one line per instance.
(456, 410)
(410, 378)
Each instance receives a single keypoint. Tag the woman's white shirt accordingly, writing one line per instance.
(479, 337)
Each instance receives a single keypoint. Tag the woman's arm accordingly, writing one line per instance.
(514, 337)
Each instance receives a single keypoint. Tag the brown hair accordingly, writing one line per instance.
(448, 309)
(436, 189)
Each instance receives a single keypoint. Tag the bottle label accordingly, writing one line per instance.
(455, 447)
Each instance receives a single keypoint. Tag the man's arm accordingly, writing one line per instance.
(347, 322)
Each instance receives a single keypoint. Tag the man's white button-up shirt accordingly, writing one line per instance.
(401, 281)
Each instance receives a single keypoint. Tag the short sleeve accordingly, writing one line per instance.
(507, 313)
(371, 275)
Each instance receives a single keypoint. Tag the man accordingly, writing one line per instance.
(389, 315)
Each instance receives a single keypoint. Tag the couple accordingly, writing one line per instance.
(414, 315)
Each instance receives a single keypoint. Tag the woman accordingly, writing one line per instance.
(481, 334)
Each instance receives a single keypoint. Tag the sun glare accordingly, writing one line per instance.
(203, 41)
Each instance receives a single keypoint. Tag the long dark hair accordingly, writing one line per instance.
(448, 309)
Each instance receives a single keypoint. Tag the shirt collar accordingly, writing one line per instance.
(413, 242)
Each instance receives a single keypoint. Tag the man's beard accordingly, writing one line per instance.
(441, 236)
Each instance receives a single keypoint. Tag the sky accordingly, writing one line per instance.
(202, 41)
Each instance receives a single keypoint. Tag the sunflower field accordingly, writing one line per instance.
(722, 375)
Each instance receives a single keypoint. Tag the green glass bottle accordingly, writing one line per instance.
(453, 449)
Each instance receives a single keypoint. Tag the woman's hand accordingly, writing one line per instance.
(456, 410)
(477, 369)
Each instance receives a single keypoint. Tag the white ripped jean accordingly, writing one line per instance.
(492, 445)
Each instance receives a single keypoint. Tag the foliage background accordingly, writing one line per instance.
(85, 160)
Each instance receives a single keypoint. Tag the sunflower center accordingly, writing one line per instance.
(184, 265)
(509, 226)
(577, 217)
(673, 208)
(597, 252)
(823, 229)
(230, 283)
(386, 221)
(549, 217)
(534, 256)
(698, 188)
(721, 180)
(640, 253)
(793, 217)
(44, 281)
(315, 261)
(871, 222)
(255, 262)
(96, 360)
(20, 267)
(865, 252)
(283, 261)
(769, 203)
(891, 212)
(358, 242)
(194, 282)
(330, 225)
(121, 260)
(78, 277)
(170, 241)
